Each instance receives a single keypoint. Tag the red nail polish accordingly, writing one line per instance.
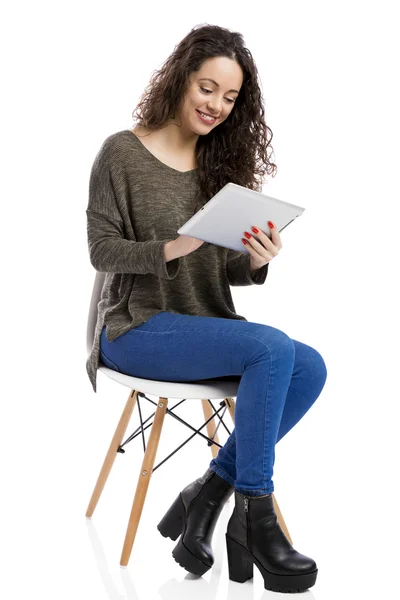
(254, 229)
(247, 235)
(270, 225)
(244, 241)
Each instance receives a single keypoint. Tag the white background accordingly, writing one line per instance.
(72, 75)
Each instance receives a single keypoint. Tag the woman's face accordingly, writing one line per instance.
(216, 98)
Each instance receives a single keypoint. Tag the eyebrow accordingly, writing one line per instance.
(215, 83)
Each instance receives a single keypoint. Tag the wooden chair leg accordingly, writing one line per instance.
(281, 520)
(112, 453)
(144, 480)
(211, 427)
(231, 407)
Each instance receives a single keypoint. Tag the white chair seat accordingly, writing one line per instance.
(205, 388)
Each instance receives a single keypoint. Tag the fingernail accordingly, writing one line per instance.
(244, 241)
(270, 225)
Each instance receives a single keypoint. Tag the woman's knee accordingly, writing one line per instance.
(319, 367)
(309, 359)
(274, 342)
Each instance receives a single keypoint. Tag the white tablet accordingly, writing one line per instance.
(235, 209)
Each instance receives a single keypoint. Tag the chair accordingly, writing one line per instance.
(205, 389)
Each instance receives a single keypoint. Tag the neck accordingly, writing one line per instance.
(177, 138)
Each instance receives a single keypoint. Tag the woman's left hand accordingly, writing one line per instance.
(263, 250)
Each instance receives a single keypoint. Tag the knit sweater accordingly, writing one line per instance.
(136, 205)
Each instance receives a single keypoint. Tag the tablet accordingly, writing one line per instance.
(235, 209)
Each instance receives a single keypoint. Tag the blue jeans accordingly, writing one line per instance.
(280, 380)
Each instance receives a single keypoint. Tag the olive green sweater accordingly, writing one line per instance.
(136, 205)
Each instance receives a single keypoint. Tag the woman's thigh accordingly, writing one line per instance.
(175, 347)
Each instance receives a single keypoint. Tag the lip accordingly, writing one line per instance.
(208, 114)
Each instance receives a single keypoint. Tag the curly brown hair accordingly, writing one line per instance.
(237, 150)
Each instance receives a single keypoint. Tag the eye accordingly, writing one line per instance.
(210, 91)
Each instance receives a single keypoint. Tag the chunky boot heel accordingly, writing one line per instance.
(240, 564)
(173, 522)
(255, 536)
(194, 514)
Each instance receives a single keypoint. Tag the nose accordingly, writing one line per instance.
(215, 105)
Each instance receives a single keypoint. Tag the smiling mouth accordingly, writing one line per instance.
(209, 120)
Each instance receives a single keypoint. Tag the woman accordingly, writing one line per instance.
(166, 311)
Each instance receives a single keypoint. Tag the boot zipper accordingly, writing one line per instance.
(246, 510)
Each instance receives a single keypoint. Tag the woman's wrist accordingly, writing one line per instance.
(170, 251)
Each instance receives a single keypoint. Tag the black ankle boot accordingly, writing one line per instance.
(194, 514)
(254, 536)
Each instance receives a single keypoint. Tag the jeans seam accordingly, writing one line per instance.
(205, 331)
(224, 450)
(264, 490)
(167, 330)
(111, 361)
(266, 415)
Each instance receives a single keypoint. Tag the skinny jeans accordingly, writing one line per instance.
(280, 379)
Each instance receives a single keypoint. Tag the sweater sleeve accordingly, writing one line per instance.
(238, 269)
(109, 250)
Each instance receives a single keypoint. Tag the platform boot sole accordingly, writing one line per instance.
(173, 525)
(240, 565)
